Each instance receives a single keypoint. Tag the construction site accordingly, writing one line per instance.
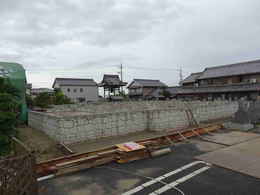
(144, 147)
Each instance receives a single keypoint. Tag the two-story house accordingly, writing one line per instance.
(78, 90)
(143, 88)
(234, 81)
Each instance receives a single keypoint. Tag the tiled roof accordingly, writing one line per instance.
(148, 83)
(192, 78)
(242, 68)
(113, 80)
(74, 82)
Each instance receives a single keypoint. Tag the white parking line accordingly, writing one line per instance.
(158, 179)
(179, 181)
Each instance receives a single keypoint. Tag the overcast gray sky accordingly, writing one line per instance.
(152, 38)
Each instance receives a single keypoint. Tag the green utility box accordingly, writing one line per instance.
(16, 73)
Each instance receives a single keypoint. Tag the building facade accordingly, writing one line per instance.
(112, 85)
(231, 82)
(145, 89)
(78, 90)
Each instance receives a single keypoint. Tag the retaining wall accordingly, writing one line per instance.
(75, 123)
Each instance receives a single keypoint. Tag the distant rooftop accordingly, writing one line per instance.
(41, 90)
(147, 83)
(192, 78)
(242, 68)
(111, 80)
(74, 82)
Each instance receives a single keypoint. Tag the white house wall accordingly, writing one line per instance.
(90, 93)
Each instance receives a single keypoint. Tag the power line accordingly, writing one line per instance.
(156, 69)
(140, 68)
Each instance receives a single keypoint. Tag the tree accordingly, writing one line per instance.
(29, 101)
(60, 98)
(9, 112)
(165, 93)
(43, 100)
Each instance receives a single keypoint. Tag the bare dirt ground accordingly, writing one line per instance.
(45, 148)
(92, 145)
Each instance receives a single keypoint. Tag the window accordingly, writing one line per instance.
(75, 90)
(68, 89)
(81, 90)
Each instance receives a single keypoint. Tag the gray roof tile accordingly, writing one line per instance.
(192, 78)
(113, 80)
(148, 83)
(74, 82)
(242, 68)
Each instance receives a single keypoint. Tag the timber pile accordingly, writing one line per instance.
(121, 153)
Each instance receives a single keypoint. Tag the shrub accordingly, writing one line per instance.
(60, 98)
(29, 101)
(43, 100)
(9, 111)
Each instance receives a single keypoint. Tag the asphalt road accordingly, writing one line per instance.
(122, 178)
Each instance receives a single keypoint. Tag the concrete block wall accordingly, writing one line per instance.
(211, 111)
(80, 128)
(167, 119)
(74, 123)
(45, 122)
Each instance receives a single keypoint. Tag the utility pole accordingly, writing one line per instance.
(121, 76)
(121, 73)
(181, 75)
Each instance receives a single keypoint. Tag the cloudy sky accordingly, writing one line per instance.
(151, 38)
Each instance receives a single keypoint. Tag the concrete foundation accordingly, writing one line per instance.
(243, 157)
(81, 122)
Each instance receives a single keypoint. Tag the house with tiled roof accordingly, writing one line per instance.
(191, 80)
(233, 81)
(144, 88)
(78, 90)
(112, 84)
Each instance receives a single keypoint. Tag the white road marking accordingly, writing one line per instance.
(179, 181)
(158, 179)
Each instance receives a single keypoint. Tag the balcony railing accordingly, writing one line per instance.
(135, 93)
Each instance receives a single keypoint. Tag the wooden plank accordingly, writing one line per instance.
(80, 160)
(119, 151)
(130, 146)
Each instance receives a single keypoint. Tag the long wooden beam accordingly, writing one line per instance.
(79, 161)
